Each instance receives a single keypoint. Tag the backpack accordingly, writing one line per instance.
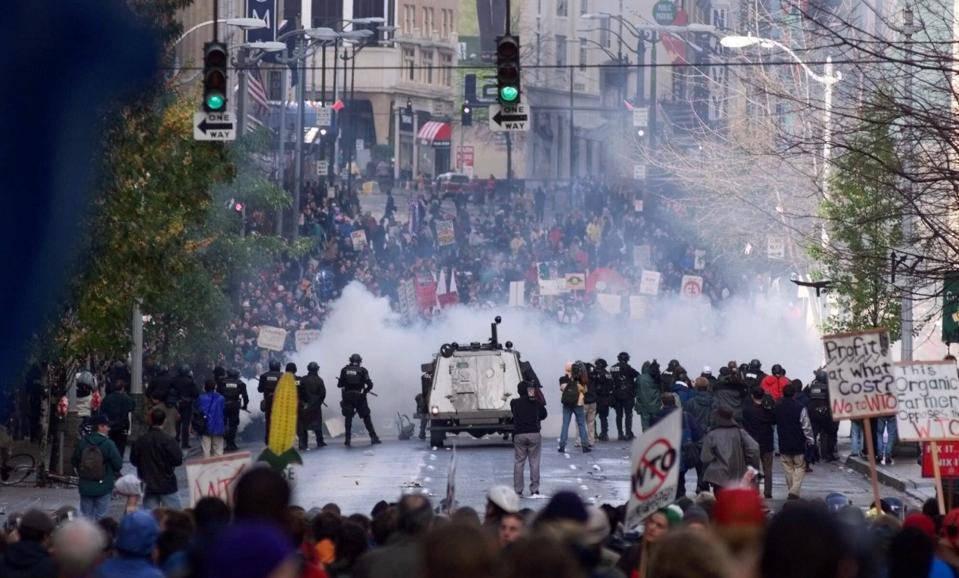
(92, 464)
(198, 419)
(570, 397)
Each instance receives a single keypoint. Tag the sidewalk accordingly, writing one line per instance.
(905, 475)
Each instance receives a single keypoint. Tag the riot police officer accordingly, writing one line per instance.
(312, 395)
(234, 393)
(601, 382)
(423, 398)
(624, 395)
(825, 430)
(356, 383)
(267, 386)
(753, 374)
(185, 390)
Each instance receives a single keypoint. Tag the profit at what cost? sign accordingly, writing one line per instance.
(861, 380)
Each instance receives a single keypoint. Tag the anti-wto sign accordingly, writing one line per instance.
(655, 469)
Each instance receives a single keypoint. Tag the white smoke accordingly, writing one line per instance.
(696, 335)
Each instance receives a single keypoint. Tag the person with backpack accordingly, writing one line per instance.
(572, 387)
(156, 455)
(727, 451)
(97, 463)
(209, 420)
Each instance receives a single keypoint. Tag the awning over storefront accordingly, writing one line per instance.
(435, 133)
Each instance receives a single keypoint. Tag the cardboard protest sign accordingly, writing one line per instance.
(691, 286)
(649, 282)
(407, 297)
(215, 476)
(948, 460)
(655, 469)
(775, 248)
(445, 234)
(927, 400)
(271, 338)
(551, 287)
(358, 238)
(304, 337)
(699, 259)
(861, 381)
(575, 281)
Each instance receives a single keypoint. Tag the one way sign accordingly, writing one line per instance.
(213, 126)
(508, 118)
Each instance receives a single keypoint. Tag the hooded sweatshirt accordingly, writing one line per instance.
(27, 559)
(136, 539)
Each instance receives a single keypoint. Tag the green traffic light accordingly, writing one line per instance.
(215, 102)
(508, 94)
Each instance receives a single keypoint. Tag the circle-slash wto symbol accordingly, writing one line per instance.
(653, 469)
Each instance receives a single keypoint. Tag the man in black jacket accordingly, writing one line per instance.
(29, 557)
(312, 394)
(795, 435)
(528, 412)
(186, 393)
(156, 456)
(117, 406)
(758, 421)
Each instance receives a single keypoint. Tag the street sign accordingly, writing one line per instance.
(639, 172)
(641, 117)
(508, 118)
(322, 168)
(664, 12)
(324, 116)
(213, 126)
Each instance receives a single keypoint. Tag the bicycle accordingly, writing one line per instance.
(15, 469)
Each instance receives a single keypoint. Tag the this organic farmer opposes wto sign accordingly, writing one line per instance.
(927, 393)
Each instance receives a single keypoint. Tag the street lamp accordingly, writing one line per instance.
(242, 23)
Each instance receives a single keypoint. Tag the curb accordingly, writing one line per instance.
(905, 485)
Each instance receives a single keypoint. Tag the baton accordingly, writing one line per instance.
(371, 393)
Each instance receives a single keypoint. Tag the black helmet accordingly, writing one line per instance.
(185, 369)
(291, 367)
(600, 363)
(755, 365)
(821, 375)
(623, 357)
(778, 370)
(355, 358)
(672, 365)
(274, 365)
(86, 378)
(313, 367)
(219, 372)
(233, 373)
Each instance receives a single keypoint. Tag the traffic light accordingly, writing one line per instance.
(467, 118)
(507, 69)
(214, 76)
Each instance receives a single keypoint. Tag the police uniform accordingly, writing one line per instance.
(825, 430)
(235, 398)
(355, 382)
(602, 383)
(267, 386)
(624, 396)
(423, 399)
(312, 395)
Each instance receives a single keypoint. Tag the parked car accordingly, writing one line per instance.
(452, 184)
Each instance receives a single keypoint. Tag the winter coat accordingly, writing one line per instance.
(112, 463)
(727, 451)
(792, 424)
(731, 394)
(758, 421)
(701, 406)
(312, 394)
(682, 392)
(212, 405)
(648, 400)
(117, 407)
(27, 559)
(774, 385)
(156, 456)
(128, 568)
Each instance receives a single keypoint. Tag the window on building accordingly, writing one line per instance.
(428, 23)
(583, 53)
(409, 18)
(583, 7)
(447, 23)
(427, 75)
(562, 7)
(409, 63)
(446, 74)
(560, 50)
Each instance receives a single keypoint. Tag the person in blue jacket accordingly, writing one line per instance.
(136, 540)
(209, 408)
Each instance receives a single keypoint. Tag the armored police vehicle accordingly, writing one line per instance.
(471, 388)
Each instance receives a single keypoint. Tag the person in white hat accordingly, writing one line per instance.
(500, 500)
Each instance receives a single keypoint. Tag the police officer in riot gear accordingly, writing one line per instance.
(267, 386)
(312, 395)
(356, 383)
(825, 430)
(624, 395)
(423, 398)
(601, 382)
(186, 392)
(233, 390)
(753, 374)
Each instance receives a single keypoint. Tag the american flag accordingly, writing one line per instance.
(258, 91)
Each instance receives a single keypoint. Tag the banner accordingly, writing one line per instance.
(691, 287)
(655, 469)
(950, 309)
(575, 281)
(517, 294)
(359, 240)
(610, 303)
(215, 476)
(948, 460)
(552, 287)
(699, 259)
(407, 297)
(927, 401)
(649, 282)
(445, 233)
(272, 338)
(861, 382)
(304, 337)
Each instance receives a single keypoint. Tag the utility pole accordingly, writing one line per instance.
(281, 163)
(908, 30)
(298, 146)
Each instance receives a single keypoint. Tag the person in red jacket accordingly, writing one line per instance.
(774, 384)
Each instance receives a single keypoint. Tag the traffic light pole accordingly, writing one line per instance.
(281, 162)
(298, 147)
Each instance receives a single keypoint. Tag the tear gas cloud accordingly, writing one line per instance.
(693, 333)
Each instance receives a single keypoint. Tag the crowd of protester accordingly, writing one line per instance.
(723, 535)
(496, 238)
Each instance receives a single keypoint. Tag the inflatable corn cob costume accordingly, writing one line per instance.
(279, 452)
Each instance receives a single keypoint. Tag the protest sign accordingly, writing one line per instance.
(215, 476)
(948, 460)
(575, 281)
(517, 294)
(649, 282)
(642, 256)
(775, 248)
(407, 297)
(927, 400)
(445, 234)
(551, 287)
(655, 469)
(271, 338)
(699, 259)
(358, 238)
(691, 286)
(637, 307)
(304, 337)
(610, 303)
(860, 374)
